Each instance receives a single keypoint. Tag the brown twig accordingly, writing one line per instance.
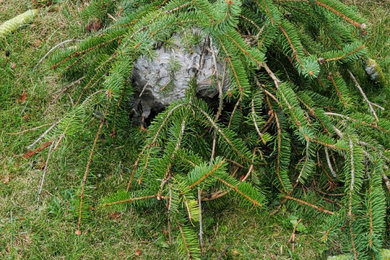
(34, 152)
(28, 130)
(129, 200)
(86, 175)
(44, 171)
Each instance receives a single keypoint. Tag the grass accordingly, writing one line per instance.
(45, 229)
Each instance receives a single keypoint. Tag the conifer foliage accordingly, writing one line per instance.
(295, 125)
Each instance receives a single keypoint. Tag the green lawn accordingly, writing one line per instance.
(45, 229)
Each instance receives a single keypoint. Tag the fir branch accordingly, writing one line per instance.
(361, 26)
(208, 174)
(236, 189)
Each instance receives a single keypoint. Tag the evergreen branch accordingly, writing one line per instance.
(361, 26)
(167, 171)
(208, 174)
(150, 146)
(240, 87)
(295, 52)
(235, 188)
(81, 53)
(219, 130)
(188, 244)
(347, 54)
(338, 92)
(372, 125)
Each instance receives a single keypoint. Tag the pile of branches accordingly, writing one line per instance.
(297, 124)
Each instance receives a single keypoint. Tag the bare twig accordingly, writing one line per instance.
(223, 252)
(329, 163)
(43, 135)
(272, 75)
(58, 93)
(378, 106)
(387, 182)
(364, 95)
(44, 171)
(112, 17)
(255, 123)
(129, 200)
(67, 87)
(28, 130)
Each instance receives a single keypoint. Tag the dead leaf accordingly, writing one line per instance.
(78, 232)
(13, 65)
(26, 116)
(22, 98)
(234, 252)
(138, 252)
